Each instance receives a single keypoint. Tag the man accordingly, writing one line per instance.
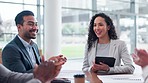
(43, 73)
(22, 54)
(140, 58)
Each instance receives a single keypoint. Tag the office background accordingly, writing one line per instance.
(129, 16)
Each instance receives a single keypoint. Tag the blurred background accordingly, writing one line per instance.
(129, 16)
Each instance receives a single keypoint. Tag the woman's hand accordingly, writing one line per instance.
(100, 67)
(92, 77)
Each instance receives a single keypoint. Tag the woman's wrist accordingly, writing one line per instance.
(108, 69)
(93, 70)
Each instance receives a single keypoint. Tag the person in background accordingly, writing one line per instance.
(103, 42)
(44, 72)
(140, 58)
(22, 54)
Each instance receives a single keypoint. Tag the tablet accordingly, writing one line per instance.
(110, 61)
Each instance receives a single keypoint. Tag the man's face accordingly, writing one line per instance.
(28, 30)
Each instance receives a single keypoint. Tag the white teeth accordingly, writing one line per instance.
(98, 32)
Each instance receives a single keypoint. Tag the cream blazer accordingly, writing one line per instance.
(117, 50)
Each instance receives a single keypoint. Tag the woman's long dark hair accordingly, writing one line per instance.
(91, 34)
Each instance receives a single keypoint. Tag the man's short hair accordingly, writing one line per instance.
(19, 16)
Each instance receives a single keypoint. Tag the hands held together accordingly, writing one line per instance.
(49, 69)
(140, 57)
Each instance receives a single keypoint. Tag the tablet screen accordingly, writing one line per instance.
(110, 61)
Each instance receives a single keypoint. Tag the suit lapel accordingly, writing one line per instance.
(23, 49)
(36, 55)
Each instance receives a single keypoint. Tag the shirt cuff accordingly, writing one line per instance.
(145, 72)
(37, 80)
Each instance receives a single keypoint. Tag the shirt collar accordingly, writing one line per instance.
(26, 44)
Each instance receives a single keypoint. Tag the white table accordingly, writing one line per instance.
(123, 78)
(119, 78)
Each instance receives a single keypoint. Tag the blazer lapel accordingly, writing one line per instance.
(23, 49)
(112, 48)
(37, 56)
(93, 51)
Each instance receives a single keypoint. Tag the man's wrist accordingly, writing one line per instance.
(35, 80)
(38, 80)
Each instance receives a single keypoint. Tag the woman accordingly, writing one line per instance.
(103, 42)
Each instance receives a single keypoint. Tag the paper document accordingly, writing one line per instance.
(121, 78)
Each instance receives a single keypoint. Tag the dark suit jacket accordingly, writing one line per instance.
(16, 58)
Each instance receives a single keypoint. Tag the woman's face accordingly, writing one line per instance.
(100, 27)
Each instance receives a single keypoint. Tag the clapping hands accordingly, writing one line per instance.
(49, 69)
(140, 57)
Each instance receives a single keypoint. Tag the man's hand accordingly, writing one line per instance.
(58, 61)
(49, 69)
(140, 57)
(45, 71)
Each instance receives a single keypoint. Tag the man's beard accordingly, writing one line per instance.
(29, 36)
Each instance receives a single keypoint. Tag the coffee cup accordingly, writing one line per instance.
(79, 78)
